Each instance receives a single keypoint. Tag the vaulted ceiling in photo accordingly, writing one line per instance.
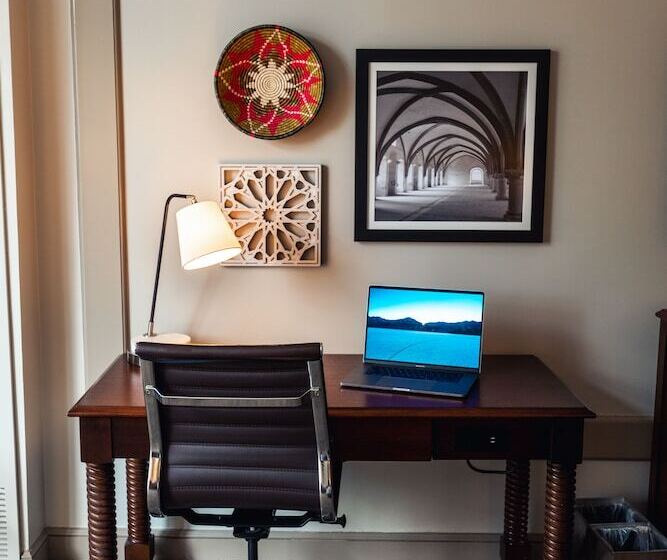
(436, 117)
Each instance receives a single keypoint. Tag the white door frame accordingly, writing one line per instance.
(10, 340)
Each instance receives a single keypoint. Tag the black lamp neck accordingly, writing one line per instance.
(190, 197)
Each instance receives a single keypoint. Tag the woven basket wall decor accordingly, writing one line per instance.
(269, 82)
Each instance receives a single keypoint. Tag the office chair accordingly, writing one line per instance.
(242, 427)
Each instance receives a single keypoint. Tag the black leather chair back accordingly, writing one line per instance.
(237, 427)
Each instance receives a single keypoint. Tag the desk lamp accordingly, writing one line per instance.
(204, 238)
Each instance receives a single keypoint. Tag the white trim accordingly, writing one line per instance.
(38, 549)
(300, 534)
(12, 439)
(77, 165)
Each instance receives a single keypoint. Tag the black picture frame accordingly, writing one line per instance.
(533, 228)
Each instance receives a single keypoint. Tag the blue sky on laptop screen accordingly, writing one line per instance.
(424, 327)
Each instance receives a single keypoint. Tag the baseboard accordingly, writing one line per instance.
(38, 549)
(192, 544)
(299, 534)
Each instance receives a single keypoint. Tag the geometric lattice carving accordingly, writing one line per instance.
(275, 212)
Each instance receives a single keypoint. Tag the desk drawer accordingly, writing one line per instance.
(381, 439)
(490, 439)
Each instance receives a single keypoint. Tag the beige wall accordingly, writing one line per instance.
(583, 301)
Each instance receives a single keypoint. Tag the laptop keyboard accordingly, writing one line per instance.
(418, 373)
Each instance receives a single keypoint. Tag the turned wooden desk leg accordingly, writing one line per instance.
(559, 510)
(139, 544)
(101, 495)
(514, 544)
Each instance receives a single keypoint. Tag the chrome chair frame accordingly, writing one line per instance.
(154, 398)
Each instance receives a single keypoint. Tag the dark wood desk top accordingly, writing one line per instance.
(510, 386)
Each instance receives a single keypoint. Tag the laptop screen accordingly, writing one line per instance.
(424, 327)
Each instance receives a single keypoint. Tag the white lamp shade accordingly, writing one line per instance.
(204, 235)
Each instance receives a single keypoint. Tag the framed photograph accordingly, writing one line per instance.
(451, 145)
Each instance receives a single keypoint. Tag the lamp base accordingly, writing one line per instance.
(165, 338)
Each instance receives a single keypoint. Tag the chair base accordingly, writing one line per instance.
(252, 536)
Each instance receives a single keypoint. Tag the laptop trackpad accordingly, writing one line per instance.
(406, 383)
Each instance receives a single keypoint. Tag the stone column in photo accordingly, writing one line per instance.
(420, 177)
(410, 179)
(501, 187)
(493, 182)
(434, 182)
(391, 177)
(515, 205)
(400, 176)
(381, 179)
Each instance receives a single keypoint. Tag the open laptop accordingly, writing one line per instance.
(421, 341)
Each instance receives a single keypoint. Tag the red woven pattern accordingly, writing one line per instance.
(269, 82)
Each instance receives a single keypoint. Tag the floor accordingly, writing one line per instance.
(444, 203)
(305, 547)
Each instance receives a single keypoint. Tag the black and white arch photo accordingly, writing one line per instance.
(451, 145)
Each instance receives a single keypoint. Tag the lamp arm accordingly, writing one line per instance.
(191, 198)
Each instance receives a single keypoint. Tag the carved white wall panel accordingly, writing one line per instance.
(275, 212)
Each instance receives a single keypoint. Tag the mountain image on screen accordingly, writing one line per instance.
(473, 328)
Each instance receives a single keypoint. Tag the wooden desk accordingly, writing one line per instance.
(518, 411)
(657, 490)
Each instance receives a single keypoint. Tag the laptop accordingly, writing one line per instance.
(421, 341)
